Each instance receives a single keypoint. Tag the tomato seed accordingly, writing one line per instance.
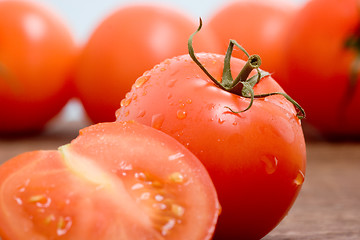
(176, 177)
(177, 210)
(37, 198)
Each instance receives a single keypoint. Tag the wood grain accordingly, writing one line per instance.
(328, 206)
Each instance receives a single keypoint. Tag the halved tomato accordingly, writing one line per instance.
(115, 181)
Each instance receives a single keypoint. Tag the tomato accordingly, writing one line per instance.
(259, 26)
(128, 42)
(323, 65)
(114, 181)
(37, 52)
(256, 158)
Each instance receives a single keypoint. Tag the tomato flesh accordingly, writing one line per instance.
(115, 181)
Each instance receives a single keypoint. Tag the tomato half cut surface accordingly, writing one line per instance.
(115, 181)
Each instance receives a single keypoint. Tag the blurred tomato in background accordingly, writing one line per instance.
(37, 52)
(323, 66)
(258, 25)
(127, 43)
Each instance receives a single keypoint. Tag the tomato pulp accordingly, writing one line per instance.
(115, 181)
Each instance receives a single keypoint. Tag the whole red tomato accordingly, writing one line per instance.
(37, 51)
(323, 67)
(127, 43)
(256, 157)
(258, 25)
(114, 181)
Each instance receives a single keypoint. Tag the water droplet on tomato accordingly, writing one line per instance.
(270, 163)
(188, 101)
(128, 95)
(141, 113)
(125, 102)
(157, 121)
(221, 121)
(122, 102)
(117, 113)
(176, 156)
(169, 96)
(171, 82)
(181, 114)
(300, 177)
(140, 81)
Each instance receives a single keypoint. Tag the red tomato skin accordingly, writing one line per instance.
(259, 26)
(130, 41)
(102, 186)
(319, 66)
(256, 159)
(36, 54)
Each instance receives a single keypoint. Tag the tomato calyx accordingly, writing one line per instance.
(242, 85)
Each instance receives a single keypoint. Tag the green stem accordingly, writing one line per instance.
(227, 78)
(252, 63)
(300, 111)
(193, 57)
(242, 85)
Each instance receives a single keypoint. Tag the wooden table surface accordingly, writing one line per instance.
(328, 206)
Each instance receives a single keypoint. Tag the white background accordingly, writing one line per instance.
(84, 15)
